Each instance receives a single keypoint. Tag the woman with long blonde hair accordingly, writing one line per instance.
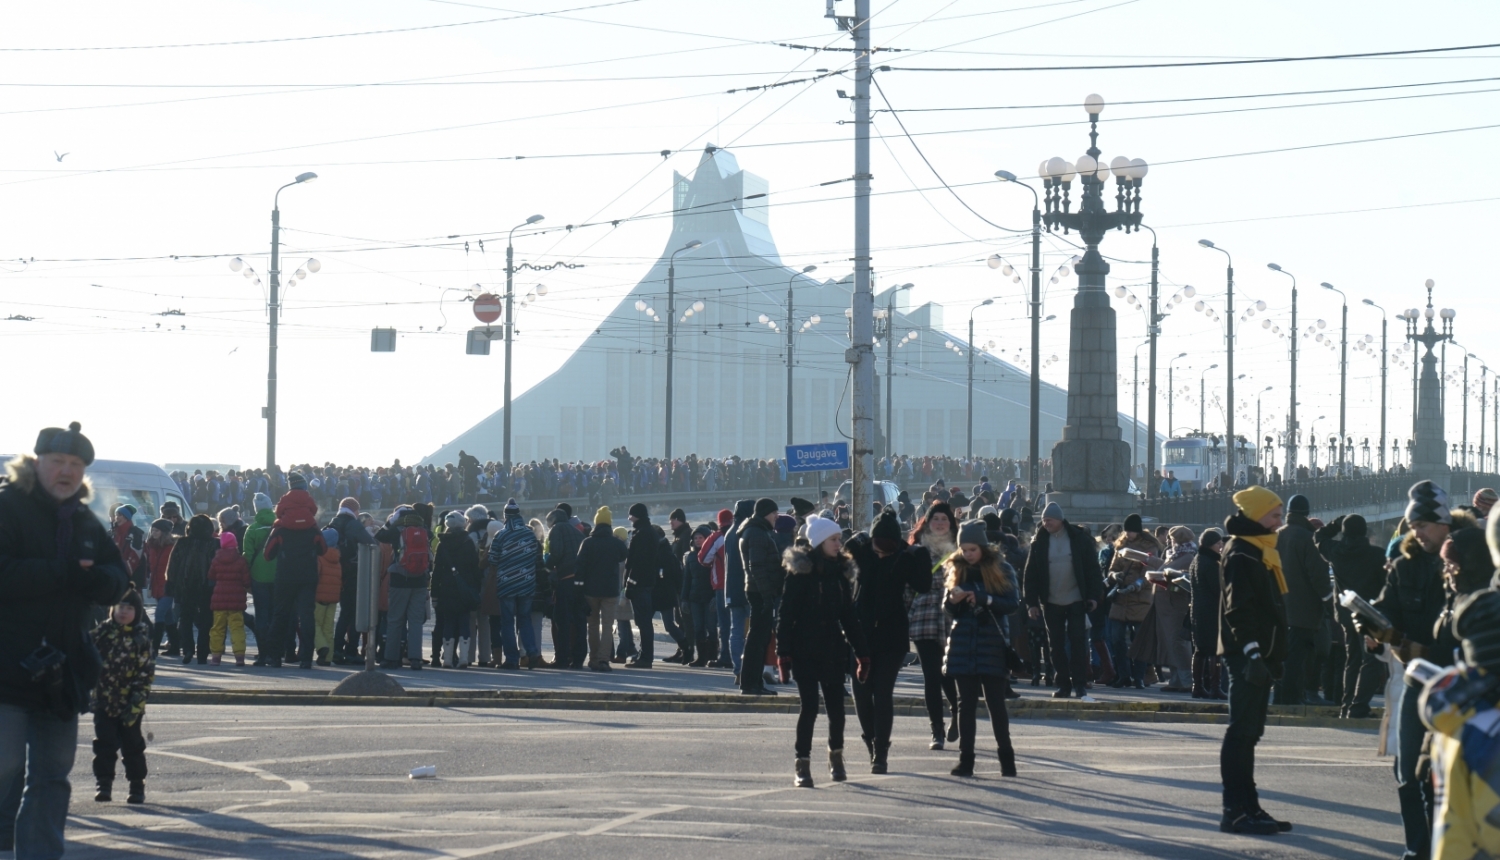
(981, 591)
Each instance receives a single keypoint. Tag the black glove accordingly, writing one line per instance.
(1256, 671)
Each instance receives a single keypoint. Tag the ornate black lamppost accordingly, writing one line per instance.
(1428, 457)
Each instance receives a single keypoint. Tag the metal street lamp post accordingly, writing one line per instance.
(275, 314)
(1228, 348)
(1035, 307)
(789, 331)
(1383, 322)
(671, 334)
(1257, 415)
(1202, 390)
(969, 445)
(510, 297)
(1291, 449)
(890, 363)
(1171, 393)
(1343, 370)
(1429, 452)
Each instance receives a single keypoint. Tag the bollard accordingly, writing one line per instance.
(365, 612)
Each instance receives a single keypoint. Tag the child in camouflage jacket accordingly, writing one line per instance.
(119, 700)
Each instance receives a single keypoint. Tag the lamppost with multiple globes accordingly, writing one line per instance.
(1428, 454)
(1091, 458)
(1343, 368)
(671, 337)
(969, 444)
(1291, 420)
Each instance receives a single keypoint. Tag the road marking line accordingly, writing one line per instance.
(338, 756)
(295, 785)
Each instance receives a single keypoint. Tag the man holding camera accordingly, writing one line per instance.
(56, 563)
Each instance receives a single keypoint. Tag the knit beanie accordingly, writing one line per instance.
(765, 506)
(946, 510)
(55, 440)
(820, 530)
(476, 514)
(603, 516)
(1210, 538)
(886, 534)
(349, 502)
(1053, 511)
(620, 533)
(227, 540)
(566, 508)
(127, 511)
(161, 526)
(262, 502)
(512, 509)
(974, 532)
(1477, 623)
(200, 526)
(639, 511)
(725, 518)
(230, 515)
(1355, 528)
(1429, 504)
(1256, 501)
(331, 538)
(1486, 499)
(802, 507)
(1133, 523)
(785, 524)
(456, 520)
(678, 514)
(988, 511)
(296, 481)
(1299, 504)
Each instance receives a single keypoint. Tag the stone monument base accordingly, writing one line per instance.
(1096, 509)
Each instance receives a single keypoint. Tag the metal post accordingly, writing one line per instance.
(1229, 394)
(671, 328)
(1464, 443)
(969, 411)
(1202, 419)
(1383, 323)
(1034, 454)
(1153, 330)
(890, 361)
(861, 353)
(275, 315)
(1291, 450)
(1343, 385)
(1135, 412)
(789, 282)
(510, 311)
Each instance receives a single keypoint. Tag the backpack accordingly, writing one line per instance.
(416, 550)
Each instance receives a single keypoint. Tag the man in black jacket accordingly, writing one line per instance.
(1358, 566)
(1412, 600)
(352, 534)
(1253, 643)
(570, 614)
(763, 580)
(56, 564)
(1063, 584)
(1307, 600)
(642, 573)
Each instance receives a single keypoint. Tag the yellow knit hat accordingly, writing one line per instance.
(604, 516)
(621, 533)
(1257, 501)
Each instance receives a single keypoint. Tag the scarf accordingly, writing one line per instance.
(1268, 555)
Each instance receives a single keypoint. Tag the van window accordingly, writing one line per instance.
(147, 504)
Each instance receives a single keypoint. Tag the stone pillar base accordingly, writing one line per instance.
(1091, 465)
(1437, 472)
(1096, 509)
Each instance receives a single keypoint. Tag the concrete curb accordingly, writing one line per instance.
(1188, 711)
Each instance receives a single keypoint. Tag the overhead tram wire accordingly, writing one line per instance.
(1198, 63)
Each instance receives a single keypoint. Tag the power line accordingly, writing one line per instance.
(1195, 64)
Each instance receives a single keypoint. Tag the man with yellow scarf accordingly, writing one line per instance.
(1253, 642)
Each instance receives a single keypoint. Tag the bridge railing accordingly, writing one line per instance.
(1325, 494)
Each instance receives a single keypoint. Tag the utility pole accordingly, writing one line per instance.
(861, 355)
(1153, 329)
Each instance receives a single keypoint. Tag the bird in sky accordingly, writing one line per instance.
(233, 351)
(61, 155)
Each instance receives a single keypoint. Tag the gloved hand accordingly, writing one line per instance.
(1256, 671)
(784, 668)
(862, 669)
(1408, 651)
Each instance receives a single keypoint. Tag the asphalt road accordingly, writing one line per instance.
(231, 781)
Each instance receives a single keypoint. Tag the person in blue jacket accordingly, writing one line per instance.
(981, 591)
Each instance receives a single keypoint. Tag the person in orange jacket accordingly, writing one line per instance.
(330, 587)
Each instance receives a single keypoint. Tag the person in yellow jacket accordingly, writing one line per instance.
(1462, 708)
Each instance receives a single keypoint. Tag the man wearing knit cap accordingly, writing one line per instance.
(1413, 599)
(352, 533)
(1308, 597)
(1253, 643)
(1484, 500)
(1062, 585)
(764, 576)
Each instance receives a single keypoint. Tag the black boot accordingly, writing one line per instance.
(965, 766)
(953, 725)
(804, 774)
(703, 655)
(836, 765)
(879, 761)
(869, 747)
(937, 736)
(1200, 670)
(1007, 760)
(137, 792)
(105, 794)
(1244, 821)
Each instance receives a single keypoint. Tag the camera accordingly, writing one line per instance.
(44, 665)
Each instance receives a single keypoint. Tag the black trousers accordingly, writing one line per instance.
(809, 684)
(570, 639)
(1069, 643)
(345, 637)
(874, 701)
(1364, 674)
(112, 737)
(757, 638)
(295, 605)
(1247, 723)
(935, 684)
(1291, 689)
(640, 604)
(190, 617)
(969, 688)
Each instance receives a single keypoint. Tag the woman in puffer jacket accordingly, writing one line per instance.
(1126, 583)
(937, 532)
(981, 589)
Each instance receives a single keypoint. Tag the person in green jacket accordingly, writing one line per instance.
(262, 572)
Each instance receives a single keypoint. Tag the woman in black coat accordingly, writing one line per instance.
(188, 585)
(814, 634)
(981, 591)
(455, 590)
(887, 566)
(1203, 581)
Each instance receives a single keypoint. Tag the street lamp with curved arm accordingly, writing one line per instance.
(969, 445)
(671, 336)
(1034, 442)
(1291, 450)
(509, 327)
(1228, 345)
(806, 270)
(274, 314)
(1343, 371)
(1383, 321)
(890, 359)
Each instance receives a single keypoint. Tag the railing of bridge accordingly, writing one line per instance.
(1332, 493)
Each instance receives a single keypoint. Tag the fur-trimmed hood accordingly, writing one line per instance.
(799, 561)
(21, 471)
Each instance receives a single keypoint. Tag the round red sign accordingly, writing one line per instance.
(487, 308)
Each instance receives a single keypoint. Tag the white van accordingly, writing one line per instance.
(144, 485)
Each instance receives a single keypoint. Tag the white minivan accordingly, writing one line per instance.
(144, 485)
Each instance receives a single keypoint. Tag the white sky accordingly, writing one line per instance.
(177, 151)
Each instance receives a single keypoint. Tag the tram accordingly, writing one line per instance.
(1198, 458)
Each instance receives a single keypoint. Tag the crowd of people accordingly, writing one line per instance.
(598, 482)
(795, 593)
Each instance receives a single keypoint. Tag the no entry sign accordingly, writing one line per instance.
(487, 308)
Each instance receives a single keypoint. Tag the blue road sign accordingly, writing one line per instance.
(822, 456)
